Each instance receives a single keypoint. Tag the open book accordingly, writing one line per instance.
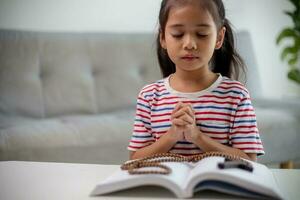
(187, 178)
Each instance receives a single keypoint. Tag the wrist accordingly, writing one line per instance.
(170, 136)
(197, 135)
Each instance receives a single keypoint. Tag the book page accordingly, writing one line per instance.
(121, 179)
(203, 166)
(260, 180)
(178, 175)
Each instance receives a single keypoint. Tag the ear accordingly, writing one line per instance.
(220, 38)
(162, 40)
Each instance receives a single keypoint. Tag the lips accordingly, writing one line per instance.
(189, 57)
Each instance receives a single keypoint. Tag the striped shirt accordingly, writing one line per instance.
(223, 112)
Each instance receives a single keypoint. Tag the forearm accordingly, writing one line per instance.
(208, 144)
(163, 145)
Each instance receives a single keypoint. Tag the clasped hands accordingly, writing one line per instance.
(184, 123)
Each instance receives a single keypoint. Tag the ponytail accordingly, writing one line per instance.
(167, 66)
(226, 60)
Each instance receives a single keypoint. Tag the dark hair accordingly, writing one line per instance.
(225, 60)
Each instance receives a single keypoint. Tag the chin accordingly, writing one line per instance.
(191, 68)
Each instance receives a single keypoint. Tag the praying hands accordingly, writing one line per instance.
(184, 123)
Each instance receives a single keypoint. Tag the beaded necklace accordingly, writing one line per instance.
(156, 160)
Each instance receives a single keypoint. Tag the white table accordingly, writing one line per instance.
(55, 181)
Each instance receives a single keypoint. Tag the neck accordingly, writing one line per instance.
(203, 75)
(191, 81)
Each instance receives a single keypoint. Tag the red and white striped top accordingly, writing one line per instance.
(223, 112)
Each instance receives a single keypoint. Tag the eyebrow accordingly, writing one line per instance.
(181, 25)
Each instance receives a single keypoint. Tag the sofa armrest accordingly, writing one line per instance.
(289, 104)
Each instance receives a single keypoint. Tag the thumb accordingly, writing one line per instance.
(178, 106)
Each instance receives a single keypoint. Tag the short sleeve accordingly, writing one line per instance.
(244, 134)
(141, 136)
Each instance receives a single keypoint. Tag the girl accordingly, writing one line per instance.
(196, 107)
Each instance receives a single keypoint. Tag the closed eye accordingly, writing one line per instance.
(201, 35)
(181, 35)
(177, 35)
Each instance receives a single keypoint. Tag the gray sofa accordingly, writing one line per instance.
(70, 97)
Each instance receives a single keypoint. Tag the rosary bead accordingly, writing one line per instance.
(156, 160)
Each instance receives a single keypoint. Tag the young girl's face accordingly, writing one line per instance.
(191, 36)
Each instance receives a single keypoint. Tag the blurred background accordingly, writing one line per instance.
(264, 19)
(60, 91)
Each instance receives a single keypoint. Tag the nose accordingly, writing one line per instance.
(189, 43)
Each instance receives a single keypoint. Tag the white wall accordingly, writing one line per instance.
(80, 15)
(263, 18)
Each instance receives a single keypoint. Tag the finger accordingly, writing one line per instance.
(191, 107)
(190, 110)
(178, 114)
(186, 109)
(188, 119)
(183, 111)
(179, 122)
(178, 106)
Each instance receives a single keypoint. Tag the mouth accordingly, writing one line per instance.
(189, 58)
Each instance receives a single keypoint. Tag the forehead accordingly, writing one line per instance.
(190, 15)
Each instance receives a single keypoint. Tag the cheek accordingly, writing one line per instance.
(171, 42)
(172, 54)
(172, 46)
(208, 46)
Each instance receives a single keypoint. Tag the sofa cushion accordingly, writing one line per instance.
(103, 138)
(280, 133)
(66, 78)
(53, 74)
(78, 138)
(20, 85)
